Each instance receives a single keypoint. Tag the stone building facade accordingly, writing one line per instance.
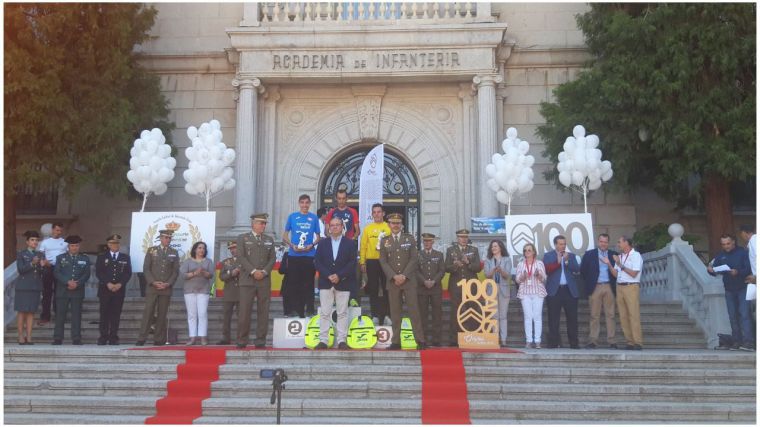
(303, 89)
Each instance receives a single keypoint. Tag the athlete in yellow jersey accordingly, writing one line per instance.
(369, 256)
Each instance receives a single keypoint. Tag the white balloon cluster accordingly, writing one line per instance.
(209, 171)
(512, 172)
(580, 163)
(151, 165)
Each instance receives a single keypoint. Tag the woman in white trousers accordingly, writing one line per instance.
(531, 277)
(197, 272)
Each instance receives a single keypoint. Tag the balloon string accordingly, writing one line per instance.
(145, 199)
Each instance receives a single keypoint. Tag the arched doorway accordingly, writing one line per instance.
(401, 190)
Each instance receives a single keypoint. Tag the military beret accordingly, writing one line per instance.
(395, 217)
(428, 236)
(114, 238)
(31, 233)
(231, 244)
(74, 239)
(260, 217)
(463, 232)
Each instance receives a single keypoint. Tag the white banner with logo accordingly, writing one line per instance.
(371, 184)
(541, 230)
(188, 227)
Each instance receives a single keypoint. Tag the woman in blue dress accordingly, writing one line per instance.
(30, 264)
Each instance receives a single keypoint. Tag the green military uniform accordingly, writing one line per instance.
(466, 271)
(161, 265)
(398, 255)
(254, 253)
(431, 267)
(70, 267)
(231, 296)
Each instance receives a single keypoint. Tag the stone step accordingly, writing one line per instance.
(42, 419)
(638, 412)
(325, 407)
(521, 391)
(103, 405)
(101, 355)
(372, 388)
(86, 387)
(325, 372)
(356, 419)
(601, 375)
(85, 370)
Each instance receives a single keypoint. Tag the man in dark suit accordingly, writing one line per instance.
(562, 291)
(335, 260)
(113, 270)
(599, 286)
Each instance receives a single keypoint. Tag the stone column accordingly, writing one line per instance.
(487, 141)
(245, 150)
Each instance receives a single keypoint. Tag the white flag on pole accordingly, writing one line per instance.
(371, 184)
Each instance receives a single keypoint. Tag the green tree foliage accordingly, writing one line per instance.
(75, 96)
(670, 90)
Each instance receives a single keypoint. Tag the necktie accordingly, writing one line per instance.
(395, 238)
(114, 256)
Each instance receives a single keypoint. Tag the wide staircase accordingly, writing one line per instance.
(109, 385)
(674, 380)
(664, 325)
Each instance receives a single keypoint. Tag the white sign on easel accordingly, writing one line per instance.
(188, 227)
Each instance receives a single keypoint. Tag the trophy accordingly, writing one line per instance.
(379, 239)
(302, 239)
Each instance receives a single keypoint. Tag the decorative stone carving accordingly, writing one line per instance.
(368, 112)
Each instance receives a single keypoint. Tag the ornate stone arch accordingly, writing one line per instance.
(305, 158)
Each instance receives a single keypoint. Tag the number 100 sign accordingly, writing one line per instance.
(541, 230)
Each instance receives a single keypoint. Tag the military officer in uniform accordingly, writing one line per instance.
(429, 290)
(462, 262)
(256, 257)
(230, 274)
(398, 259)
(113, 270)
(71, 272)
(161, 269)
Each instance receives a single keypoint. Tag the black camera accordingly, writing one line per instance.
(276, 374)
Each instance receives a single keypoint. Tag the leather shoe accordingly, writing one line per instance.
(342, 346)
(113, 342)
(77, 342)
(590, 345)
(321, 346)
(638, 347)
(394, 347)
(57, 342)
(629, 347)
(552, 346)
(436, 344)
(575, 347)
(421, 345)
(158, 344)
(260, 346)
(140, 343)
(102, 341)
(240, 345)
(223, 342)
(613, 345)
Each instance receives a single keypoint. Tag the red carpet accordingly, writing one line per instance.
(185, 395)
(444, 388)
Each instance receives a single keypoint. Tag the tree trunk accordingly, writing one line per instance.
(719, 210)
(9, 229)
